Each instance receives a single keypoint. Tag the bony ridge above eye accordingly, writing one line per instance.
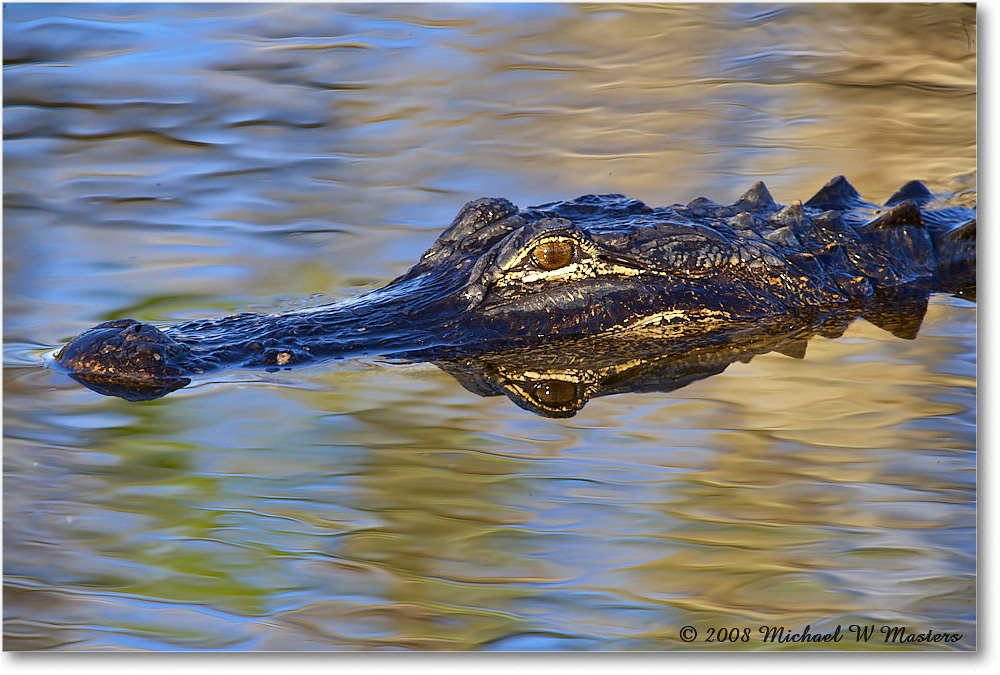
(553, 254)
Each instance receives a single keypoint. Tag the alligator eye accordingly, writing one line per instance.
(555, 392)
(553, 254)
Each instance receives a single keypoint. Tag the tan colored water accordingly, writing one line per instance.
(169, 162)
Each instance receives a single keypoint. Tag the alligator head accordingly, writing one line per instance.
(499, 275)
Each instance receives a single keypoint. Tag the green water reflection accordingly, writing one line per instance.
(276, 152)
(400, 517)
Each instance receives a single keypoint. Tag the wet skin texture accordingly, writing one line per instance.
(596, 265)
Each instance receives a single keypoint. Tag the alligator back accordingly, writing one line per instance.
(833, 247)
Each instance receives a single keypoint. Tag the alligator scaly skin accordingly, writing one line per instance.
(593, 265)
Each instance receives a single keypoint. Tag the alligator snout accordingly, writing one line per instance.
(124, 348)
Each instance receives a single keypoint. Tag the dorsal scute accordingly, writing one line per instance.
(831, 221)
(757, 197)
(741, 221)
(836, 194)
(904, 213)
(700, 202)
(914, 191)
(784, 237)
(791, 215)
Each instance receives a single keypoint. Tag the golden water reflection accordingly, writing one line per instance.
(188, 161)
(414, 516)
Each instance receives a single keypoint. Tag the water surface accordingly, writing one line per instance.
(168, 162)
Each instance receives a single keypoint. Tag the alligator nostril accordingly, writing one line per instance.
(137, 328)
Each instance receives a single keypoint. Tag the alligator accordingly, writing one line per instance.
(500, 278)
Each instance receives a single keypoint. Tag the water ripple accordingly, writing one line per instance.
(181, 161)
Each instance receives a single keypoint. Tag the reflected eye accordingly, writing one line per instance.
(555, 392)
(553, 254)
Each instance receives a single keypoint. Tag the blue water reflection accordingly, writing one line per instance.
(174, 161)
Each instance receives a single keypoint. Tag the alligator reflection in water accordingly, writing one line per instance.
(557, 379)
(558, 303)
